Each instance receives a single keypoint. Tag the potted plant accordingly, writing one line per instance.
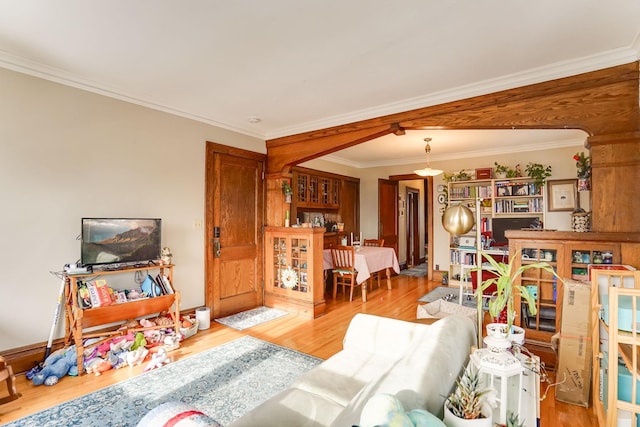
(287, 190)
(504, 171)
(583, 166)
(538, 172)
(504, 278)
(468, 404)
(513, 420)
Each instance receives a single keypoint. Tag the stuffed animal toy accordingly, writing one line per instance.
(385, 410)
(158, 360)
(57, 365)
(136, 357)
(98, 366)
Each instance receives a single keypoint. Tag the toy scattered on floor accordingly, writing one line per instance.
(158, 359)
(97, 366)
(385, 410)
(59, 363)
(137, 356)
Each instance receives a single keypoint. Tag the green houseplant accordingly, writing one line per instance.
(506, 290)
(538, 172)
(468, 402)
(504, 171)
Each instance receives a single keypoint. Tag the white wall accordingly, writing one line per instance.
(67, 154)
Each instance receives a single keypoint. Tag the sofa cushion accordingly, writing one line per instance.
(291, 407)
(382, 336)
(342, 376)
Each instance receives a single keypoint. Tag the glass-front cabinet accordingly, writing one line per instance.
(543, 285)
(570, 254)
(294, 275)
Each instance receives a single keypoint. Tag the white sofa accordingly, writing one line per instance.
(418, 363)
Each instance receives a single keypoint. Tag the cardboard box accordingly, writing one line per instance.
(574, 366)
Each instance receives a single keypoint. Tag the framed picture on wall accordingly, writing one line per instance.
(562, 194)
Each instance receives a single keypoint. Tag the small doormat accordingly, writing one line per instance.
(451, 295)
(417, 271)
(250, 318)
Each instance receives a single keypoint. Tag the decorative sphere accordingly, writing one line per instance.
(457, 219)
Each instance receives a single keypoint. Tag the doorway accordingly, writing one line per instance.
(412, 236)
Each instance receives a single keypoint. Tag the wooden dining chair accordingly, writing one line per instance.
(379, 243)
(344, 272)
(6, 374)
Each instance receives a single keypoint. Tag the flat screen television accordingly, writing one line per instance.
(500, 225)
(120, 240)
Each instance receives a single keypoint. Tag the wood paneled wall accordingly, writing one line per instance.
(603, 103)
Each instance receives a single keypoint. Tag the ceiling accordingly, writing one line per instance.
(296, 66)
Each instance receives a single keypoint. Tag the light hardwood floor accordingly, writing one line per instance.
(321, 337)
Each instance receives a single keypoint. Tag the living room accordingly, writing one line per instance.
(70, 153)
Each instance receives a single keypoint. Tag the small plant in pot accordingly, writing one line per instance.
(538, 172)
(469, 403)
(504, 279)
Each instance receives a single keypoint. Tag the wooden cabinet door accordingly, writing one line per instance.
(388, 212)
(350, 206)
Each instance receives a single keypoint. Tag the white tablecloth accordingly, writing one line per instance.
(369, 259)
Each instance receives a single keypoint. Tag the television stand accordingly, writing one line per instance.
(81, 323)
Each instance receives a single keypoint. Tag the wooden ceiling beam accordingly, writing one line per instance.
(598, 102)
(281, 157)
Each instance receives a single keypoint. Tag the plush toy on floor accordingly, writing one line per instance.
(158, 359)
(57, 365)
(385, 410)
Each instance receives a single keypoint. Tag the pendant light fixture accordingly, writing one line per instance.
(427, 171)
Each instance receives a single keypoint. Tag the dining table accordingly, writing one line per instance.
(368, 260)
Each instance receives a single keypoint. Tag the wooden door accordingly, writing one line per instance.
(234, 222)
(388, 212)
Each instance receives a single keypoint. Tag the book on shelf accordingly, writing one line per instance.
(165, 284)
(99, 293)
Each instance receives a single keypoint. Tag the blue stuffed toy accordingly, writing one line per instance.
(57, 365)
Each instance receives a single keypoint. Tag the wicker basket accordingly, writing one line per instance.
(581, 222)
(191, 331)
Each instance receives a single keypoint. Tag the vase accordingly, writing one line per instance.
(584, 184)
(451, 420)
(581, 221)
(287, 198)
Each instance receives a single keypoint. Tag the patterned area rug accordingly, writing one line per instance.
(250, 318)
(224, 383)
(451, 295)
(419, 270)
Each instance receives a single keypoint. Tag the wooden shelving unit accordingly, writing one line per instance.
(498, 198)
(81, 323)
(616, 346)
